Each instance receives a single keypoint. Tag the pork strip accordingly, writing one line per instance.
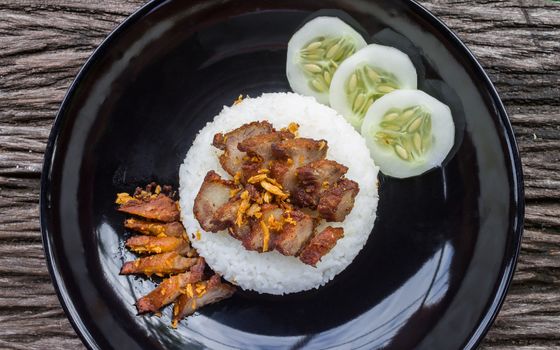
(170, 289)
(300, 150)
(226, 215)
(261, 145)
(213, 194)
(160, 264)
(254, 239)
(150, 244)
(284, 172)
(211, 291)
(296, 231)
(259, 152)
(320, 244)
(290, 155)
(239, 232)
(250, 168)
(171, 229)
(253, 192)
(159, 207)
(232, 158)
(313, 179)
(337, 202)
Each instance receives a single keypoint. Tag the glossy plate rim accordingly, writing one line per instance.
(501, 289)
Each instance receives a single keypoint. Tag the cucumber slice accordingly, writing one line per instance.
(315, 51)
(366, 76)
(408, 132)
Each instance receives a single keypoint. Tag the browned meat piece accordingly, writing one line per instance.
(160, 264)
(201, 294)
(226, 215)
(253, 239)
(320, 244)
(284, 172)
(293, 153)
(239, 232)
(172, 229)
(254, 193)
(300, 150)
(264, 228)
(232, 158)
(150, 244)
(170, 289)
(336, 202)
(320, 171)
(261, 145)
(259, 152)
(249, 169)
(297, 229)
(214, 193)
(158, 207)
(305, 199)
(311, 212)
(315, 178)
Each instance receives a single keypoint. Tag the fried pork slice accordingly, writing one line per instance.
(314, 178)
(259, 152)
(170, 288)
(240, 232)
(253, 192)
(337, 202)
(201, 294)
(150, 244)
(291, 154)
(296, 231)
(214, 193)
(284, 172)
(261, 145)
(320, 171)
(158, 207)
(171, 229)
(227, 215)
(232, 158)
(160, 264)
(320, 244)
(263, 230)
(250, 168)
(300, 150)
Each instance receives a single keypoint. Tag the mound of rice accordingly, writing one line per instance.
(272, 272)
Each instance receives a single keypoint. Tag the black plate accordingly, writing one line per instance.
(433, 273)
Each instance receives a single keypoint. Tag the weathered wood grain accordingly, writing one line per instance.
(44, 43)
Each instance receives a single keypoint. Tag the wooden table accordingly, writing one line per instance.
(44, 43)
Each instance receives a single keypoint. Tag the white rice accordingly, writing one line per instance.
(272, 272)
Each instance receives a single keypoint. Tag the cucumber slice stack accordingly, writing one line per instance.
(374, 87)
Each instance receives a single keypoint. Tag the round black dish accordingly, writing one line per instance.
(442, 254)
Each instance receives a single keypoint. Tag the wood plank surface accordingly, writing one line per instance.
(44, 43)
